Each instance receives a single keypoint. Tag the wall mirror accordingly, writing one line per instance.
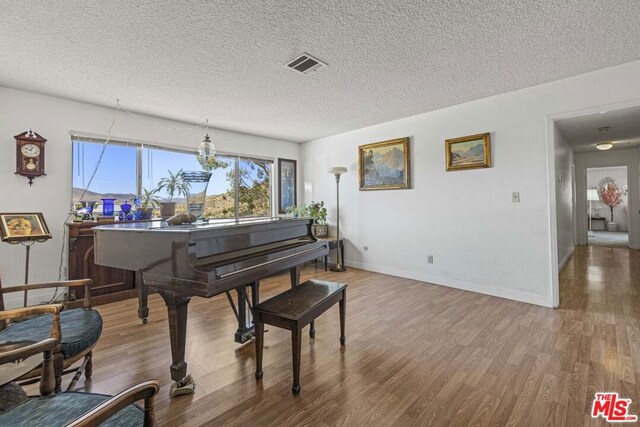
(607, 184)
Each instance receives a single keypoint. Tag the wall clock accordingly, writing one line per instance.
(30, 155)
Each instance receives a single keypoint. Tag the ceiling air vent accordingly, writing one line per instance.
(305, 63)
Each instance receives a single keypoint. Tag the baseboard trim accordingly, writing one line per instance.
(495, 291)
(566, 258)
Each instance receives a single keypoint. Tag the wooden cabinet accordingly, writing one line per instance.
(109, 284)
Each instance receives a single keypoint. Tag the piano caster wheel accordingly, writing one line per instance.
(296, 390)
(144, 321)
(184, 386)
(259, 375)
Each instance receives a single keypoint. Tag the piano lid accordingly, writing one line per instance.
(212, 224)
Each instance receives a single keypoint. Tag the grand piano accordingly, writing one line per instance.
(206, 259)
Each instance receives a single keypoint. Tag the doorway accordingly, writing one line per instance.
(600, 137)
(608, 199)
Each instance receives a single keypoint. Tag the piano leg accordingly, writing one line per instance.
(295, 275)
(255, 293)
(177, 310)
(143, 297)
(245, 329)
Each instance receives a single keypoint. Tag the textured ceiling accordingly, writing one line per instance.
(223, 60)
(583, 133)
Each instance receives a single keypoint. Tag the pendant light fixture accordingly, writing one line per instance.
(206, 152)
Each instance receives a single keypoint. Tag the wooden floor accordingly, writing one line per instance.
(416, 354)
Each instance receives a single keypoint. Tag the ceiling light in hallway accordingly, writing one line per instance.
(604, 145)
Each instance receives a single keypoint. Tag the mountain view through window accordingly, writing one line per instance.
(118, 177)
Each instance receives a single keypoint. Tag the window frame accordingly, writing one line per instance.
(77, 137)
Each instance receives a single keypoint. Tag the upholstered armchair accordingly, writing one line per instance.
(80, 329)
(69, 408)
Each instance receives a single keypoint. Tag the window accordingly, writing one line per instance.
(116, 178)
(254, 187)
(127, 168)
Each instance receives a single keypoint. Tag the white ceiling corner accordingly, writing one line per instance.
(224, 60)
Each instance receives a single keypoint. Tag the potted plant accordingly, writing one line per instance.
(148, 201)
(318, 212)
(610, 196)
(174, 184)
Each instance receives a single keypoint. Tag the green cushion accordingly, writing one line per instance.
(80, 330)
(64, 408)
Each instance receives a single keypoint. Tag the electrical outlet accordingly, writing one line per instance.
(430, 259)
(515, 197)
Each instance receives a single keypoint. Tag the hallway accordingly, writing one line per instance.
(609, 238)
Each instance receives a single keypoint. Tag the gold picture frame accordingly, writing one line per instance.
(19, 227)
(385, 165)
(468, 152)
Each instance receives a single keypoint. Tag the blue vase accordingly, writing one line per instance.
(126, 208)
(107, 207)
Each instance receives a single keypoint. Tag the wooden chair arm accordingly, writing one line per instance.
(15, 313)
(47, 379)
(26, 351)
(145, 390)
(54, 309)
(32, 286)
(86, 283)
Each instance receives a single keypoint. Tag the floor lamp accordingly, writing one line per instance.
(592, 196)
(337, 171)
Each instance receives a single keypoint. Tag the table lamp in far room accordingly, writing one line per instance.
(337, 171)
(592, 196)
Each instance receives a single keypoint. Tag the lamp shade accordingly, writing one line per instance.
(337, 170)
(592, 195)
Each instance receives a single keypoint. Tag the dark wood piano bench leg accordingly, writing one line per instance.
(259, 347)
(296, 349)
(312, 329)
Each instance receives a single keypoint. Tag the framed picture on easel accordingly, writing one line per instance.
(18, 227)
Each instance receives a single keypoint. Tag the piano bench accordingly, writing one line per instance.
(293, 310)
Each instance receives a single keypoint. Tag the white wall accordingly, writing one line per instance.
(54, 118)
(619, 174)
(611, 158)
(480, 239)
(564, 197)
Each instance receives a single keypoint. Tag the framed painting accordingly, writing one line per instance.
(469, 152)
(17, 227)
(385, 165)
(287, 185)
